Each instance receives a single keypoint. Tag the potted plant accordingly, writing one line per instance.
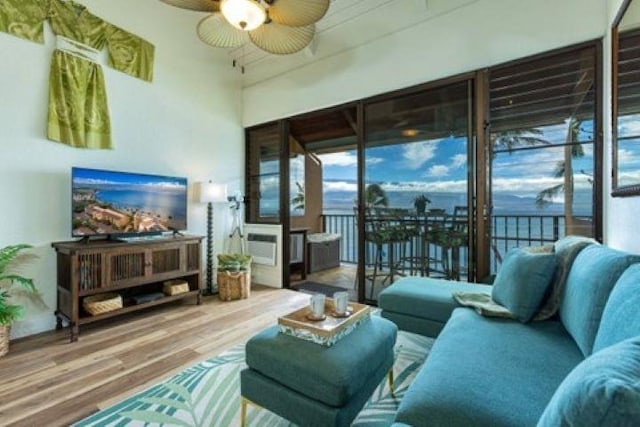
(234, 276)
(11, 285)
(420, 203)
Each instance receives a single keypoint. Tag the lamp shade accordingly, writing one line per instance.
(211, 192)
(245, 15)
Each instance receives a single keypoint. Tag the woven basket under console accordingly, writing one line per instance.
(102, 303)
(175, 287)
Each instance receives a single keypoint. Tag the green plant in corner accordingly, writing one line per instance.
(12, 285)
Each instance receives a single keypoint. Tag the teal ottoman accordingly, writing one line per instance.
(312, 385)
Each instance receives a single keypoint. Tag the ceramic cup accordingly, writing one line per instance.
(341, 301)
(317, 305)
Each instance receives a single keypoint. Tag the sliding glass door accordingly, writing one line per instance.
(441, 179)
(417, 196)
(544, 129)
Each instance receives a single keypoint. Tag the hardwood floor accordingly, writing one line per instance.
(48, 381)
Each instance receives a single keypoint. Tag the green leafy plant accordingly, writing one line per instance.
(13, 284)
(420, 203)
(234, 262)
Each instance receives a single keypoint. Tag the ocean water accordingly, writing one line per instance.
(163, 203)
(342, 202)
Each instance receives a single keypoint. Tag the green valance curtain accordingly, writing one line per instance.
(78, 111)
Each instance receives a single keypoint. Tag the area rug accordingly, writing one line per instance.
(208, 394)
(318, 288)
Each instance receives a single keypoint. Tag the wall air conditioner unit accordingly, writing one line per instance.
(262, 247)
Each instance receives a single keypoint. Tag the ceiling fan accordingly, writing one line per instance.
(276, 26)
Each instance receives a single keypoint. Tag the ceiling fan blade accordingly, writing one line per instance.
(297, 13)
(216, 31)
(282, 40)
(198, 5)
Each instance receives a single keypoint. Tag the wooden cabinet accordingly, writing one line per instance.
(133, 269)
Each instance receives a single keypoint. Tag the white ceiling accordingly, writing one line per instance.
(347, 25)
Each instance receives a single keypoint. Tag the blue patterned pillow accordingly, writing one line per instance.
(522, 281)
(603, 390)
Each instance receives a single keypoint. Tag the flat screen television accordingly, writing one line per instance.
(112, 203)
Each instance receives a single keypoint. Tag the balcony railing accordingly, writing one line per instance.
(508, 231)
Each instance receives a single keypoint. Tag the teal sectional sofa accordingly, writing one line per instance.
(580, 367)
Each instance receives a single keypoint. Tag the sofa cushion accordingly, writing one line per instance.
(489, 372)
(522, 281)
(424, 297)
(603, 390)
(593, 274)
(621, 316)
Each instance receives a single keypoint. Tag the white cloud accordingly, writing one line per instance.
(339, 186)
(338, 159)
(427, 186)
(438, 171)
(539, 162)
(628, 178)
(533, 185)
(629, 125)
(625, 156)
(347, 158)
(419, 153)
(459, 160)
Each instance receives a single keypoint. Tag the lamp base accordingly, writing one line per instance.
(210, 292)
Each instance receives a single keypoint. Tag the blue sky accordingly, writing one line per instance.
(440, 166)
(104, 177)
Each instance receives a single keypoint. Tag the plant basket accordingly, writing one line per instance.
(5, 331)
(234, 276)
(234, 285)
(102, 303)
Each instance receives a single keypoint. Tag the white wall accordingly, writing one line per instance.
(186, 123)
(483, 33)
(621, 220)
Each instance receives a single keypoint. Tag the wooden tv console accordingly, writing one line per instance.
(130, 268)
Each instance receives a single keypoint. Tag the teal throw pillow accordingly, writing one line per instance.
(603, 390)
(522, 281)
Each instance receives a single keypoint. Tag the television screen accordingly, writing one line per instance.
(117, 203)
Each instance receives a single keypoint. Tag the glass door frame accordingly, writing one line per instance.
(477, 175)
(479, 169)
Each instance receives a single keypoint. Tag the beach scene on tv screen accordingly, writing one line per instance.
(108, 202)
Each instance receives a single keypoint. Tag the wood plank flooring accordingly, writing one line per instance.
(48, 381)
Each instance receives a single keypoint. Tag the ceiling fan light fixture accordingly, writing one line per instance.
(245, 15)
(410, 133)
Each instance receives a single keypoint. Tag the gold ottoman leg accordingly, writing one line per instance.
(243, 411)
(390, 378)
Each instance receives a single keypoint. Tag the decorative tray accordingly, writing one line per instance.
(327, 331)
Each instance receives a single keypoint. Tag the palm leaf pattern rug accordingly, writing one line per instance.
(208, 394)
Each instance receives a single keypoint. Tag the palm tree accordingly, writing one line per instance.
(564, 168)
(508, 140)
(298, 199)
(375, 196)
